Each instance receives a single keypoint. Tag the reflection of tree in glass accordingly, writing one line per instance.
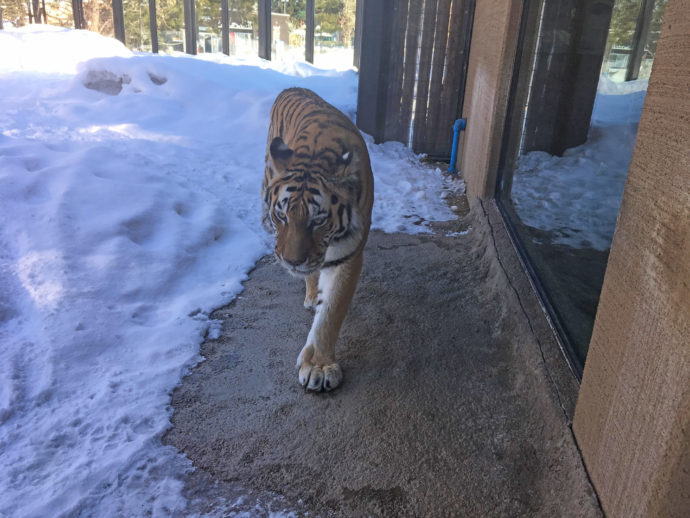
(655, 25)
(624, 21)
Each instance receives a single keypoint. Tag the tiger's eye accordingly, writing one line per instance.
(334, 199)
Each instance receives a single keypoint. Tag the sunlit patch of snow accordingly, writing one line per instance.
(129, 210)
(41, 275)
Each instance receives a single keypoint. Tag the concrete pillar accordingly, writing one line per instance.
(632, 420)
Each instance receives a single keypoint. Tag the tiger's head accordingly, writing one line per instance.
(309, 204)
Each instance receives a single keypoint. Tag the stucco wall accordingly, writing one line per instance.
(492, 54)
(632, 420)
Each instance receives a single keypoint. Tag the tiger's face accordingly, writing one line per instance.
(311, 217)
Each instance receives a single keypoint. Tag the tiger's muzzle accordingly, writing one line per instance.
(301, 267)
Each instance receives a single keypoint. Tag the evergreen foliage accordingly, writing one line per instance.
(331, 16)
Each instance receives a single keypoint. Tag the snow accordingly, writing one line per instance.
(333, 58)
(576, 197)
(129, 210)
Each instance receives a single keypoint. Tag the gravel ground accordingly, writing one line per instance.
(455, 401)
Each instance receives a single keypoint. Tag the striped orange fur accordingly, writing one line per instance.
(317, 193)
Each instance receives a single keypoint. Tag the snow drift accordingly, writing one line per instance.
(129, 209)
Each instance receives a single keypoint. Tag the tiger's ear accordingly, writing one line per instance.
(280, 154)
(345, 159)
(347, 167)
(347, 163)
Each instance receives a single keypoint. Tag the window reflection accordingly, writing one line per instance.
(576, 104)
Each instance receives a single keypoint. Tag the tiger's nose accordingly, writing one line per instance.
(294, 263)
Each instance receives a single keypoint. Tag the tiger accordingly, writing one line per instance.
(318, 193)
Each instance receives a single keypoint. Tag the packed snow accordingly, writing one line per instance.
(576, 197)
(129, 210)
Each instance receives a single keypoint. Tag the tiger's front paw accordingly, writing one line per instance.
(317, 374)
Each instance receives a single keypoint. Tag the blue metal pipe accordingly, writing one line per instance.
(458, 126)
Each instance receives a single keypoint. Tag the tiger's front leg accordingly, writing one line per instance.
(312, 291)
(318, 369)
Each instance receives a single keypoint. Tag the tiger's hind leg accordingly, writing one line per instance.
(312, 291)
(318, 369)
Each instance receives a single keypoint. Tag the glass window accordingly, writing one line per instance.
(576, 100)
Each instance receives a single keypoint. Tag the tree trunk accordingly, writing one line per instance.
(29, 12)
(37, 11)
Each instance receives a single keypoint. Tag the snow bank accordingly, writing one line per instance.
(129, 209)
(619, 103)
(406, 196)
(53, 50)
(576, 197)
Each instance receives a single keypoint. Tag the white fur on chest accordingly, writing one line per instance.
(343, 248)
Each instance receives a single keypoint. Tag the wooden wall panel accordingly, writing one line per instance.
(632, 420)
(491, 60)
(412, 71)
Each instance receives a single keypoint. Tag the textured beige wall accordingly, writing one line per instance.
(492, 54)
(632, 420)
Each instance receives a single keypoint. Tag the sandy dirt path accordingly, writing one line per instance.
(449, 406)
